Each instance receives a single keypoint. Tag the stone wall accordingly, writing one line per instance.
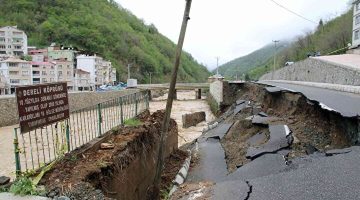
(77, 100)
(315, 70)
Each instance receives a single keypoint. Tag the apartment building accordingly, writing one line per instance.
(81, 80)
(14, 72)
(13, 41)
(43, 72)
(101, 71)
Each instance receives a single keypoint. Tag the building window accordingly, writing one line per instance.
(60, 66)
(357, 19)
(52, 79)
(14, 81)
(44, 80)
(43, 73)
(2, 46)
(25, 73)
(52, 72)
(68, 73)
(60, 73)
(9, 46)
(17, 47)
(356, 35)
(13, 72)
(13, 65)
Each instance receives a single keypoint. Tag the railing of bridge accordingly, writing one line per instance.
(38, 148)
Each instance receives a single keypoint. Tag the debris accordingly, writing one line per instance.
(278, 140)
(4, 180)
(238, 102)
(257, 139)
(262, 114)
(219, 131)
(193, 119)
(337, 151)
(310, 149)
(107, 146)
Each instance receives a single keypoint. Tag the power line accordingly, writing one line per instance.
(287, 9)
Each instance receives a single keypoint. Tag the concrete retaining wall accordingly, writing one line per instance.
(216, 91)
(315, 70)
(78, 100)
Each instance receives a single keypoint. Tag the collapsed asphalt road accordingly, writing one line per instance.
(348, 104)
(260, 152)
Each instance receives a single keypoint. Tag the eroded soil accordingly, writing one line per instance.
(93, 173)
(313, 129)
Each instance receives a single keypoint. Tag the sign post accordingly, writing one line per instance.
(41, 105)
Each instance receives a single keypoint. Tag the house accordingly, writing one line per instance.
(13, 41)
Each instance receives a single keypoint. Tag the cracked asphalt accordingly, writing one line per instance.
(331, 175)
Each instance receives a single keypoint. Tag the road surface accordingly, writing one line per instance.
(347, 104)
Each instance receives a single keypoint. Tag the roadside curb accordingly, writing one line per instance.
(330, 86)
(181, 175)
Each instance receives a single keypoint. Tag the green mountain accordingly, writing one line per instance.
(241, 66)
(103, 27)
(329, 38)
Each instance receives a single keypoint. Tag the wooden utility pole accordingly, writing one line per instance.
(165, 125)
(273, 72)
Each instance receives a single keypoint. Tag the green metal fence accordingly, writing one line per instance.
(40, 147)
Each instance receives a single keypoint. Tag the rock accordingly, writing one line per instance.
(107, 146)
(193, 119)
(4, 180)
(310, 149)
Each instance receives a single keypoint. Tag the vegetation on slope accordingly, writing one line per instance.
(327, 38)
(103, 27)
(243, 65)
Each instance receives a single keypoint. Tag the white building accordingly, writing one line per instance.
(101, 72)
(14, 72)
(356, 25)
(13, 41)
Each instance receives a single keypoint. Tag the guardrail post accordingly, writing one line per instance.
(100, 118)
(16, 151)
(68, 135)
(136, 105)
(121, 111)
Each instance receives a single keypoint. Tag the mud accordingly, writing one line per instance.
(313, 128)
(124, 172)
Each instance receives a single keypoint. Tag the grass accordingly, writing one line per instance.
(24, 186)
(132, 122)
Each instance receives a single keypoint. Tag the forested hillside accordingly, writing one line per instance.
(246, 63)
(103, 27)
(329, 38)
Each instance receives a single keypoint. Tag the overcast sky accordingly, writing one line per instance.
(233, 28)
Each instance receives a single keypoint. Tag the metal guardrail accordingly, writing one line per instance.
(39, 147)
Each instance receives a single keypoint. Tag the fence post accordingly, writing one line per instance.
(100, 118)
(68, 135)
(16, 151)
(136, 105)
(121, 111)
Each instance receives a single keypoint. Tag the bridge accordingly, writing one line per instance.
(179, 86)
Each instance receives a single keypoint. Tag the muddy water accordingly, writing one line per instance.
(185, 104)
